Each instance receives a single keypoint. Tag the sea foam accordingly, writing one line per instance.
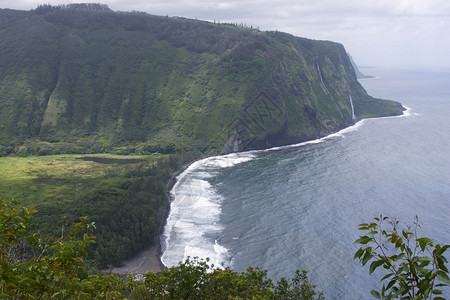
(192, 228)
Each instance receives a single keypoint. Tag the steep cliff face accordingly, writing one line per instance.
(100, 80)
(309, 88)
(358, 73)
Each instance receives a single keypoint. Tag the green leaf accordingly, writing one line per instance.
(441, 284)
(398, 257)
(375, 294)
(388, 260)
(390, 284)
(374, 265)
(364, 240)
(437, 292)
(405, 234)
(358, 253)
(425, 272)
(366, 258)
(442, 250)
(440, 262)
(409, 251)
(442, 276)
(423, 242)
(387, 276)
(424, 260)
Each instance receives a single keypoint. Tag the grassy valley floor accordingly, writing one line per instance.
(124, 195)
(35, 180)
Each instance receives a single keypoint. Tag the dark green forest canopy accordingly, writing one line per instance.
(126, 197)
(85, 79)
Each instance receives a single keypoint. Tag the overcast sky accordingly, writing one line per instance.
(375, 32)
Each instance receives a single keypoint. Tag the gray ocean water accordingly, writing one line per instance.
(298, 207)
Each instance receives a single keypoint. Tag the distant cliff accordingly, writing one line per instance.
(87, 79)
(358, 73)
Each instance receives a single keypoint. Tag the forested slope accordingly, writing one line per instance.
(83, 79)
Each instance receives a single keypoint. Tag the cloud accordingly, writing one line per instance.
(401, 32)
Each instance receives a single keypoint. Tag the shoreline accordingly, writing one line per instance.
(166, 210)
(173, 180)
(150, 258)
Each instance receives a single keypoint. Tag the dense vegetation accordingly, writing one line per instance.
(126, 204)
(125, 196)
(33, 266)
(85, 79)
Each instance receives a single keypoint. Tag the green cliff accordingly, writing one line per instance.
(86, 79)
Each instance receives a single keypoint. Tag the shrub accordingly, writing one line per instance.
(414, 265)
(33, 266)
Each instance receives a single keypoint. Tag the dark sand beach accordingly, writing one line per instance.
(150, 258)
(147, 260)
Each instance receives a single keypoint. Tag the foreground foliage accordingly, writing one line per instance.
(195, 279)
(36, 266)
(414, 265)
(33, 266)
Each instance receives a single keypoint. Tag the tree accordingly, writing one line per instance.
(196, 279)
(415, 265)
(33, 266)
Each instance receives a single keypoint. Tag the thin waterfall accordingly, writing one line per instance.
(328, 92)
(353, 108)
(321, 79)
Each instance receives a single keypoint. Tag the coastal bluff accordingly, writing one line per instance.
(131, 82)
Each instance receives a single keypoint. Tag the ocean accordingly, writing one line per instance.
(299, 206)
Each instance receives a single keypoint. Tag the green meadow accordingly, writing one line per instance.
(123, 195)
(35, 180)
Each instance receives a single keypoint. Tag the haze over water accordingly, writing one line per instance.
(299, 207)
